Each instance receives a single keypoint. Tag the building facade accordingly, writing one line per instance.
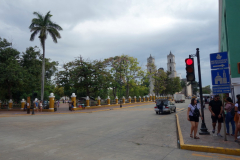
(151, 69)
(229, 38)
(171, 65)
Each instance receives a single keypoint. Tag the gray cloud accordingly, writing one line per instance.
(138, 28)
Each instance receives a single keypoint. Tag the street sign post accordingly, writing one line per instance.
(220, 77)
(219, 60)
(221, 89)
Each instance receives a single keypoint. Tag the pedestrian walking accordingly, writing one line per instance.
(58, 103)
(72, 105)
(40, 106)
(237, 118)
(193, 115)
(36, 105)
(229, 117)
(216, 109)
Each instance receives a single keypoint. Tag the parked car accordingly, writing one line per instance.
(168, 107)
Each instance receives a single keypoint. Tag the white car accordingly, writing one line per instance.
(168, 106)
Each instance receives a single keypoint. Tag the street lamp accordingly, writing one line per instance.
(121, 62)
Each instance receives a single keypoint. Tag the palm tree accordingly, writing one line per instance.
(44, 26)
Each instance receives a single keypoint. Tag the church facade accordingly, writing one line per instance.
(171, 67)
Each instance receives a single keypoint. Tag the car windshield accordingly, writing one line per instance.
(164, 101)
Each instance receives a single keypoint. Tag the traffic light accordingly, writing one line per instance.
(190, 75)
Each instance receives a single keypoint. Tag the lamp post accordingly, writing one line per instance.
(122, 61)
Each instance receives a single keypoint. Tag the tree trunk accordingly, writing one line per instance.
(43, 71)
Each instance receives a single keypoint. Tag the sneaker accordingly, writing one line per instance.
(219, 135)
(238, 137)
(213, 131)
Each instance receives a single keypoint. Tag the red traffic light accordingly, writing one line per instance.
(189, 61)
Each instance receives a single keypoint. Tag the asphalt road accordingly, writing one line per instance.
(134, 133)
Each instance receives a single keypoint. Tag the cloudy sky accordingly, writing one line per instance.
(98, 29)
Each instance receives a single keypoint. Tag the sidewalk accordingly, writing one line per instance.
(206, 143)
(64, 109)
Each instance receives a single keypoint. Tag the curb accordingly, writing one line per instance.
(200, 148)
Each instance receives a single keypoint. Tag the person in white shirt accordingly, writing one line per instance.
(237, 118)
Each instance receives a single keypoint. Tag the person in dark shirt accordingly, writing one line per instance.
(216, 109)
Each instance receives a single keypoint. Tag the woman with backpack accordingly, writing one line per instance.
(193, 114)
(229, 108)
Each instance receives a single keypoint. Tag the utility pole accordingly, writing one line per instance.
(204, 130)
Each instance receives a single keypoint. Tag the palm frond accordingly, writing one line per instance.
(33, 35)
(40, 17)
(53, 35)
(47, 18)
(54, 25)
(55, 32)
(35, 28)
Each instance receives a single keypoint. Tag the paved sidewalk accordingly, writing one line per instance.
(64, 109)
(211, 140)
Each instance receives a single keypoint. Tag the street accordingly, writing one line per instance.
(131, 133)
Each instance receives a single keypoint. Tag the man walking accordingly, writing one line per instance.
(216, 109)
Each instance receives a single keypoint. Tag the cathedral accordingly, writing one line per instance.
(171, 67)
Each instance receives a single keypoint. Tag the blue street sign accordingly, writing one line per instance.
(219, 60)
(220, 77)
(221, 89)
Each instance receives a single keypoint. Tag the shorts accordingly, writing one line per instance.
(215, 119)
(195, 119)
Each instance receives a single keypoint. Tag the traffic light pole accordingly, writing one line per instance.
(204, 130)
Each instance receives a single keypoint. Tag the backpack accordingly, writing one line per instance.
(196, 112)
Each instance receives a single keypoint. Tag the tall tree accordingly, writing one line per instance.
(159, 81)
(206, 89)
(44, 26)
(11, 73)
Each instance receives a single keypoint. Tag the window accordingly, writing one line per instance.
(170, 69)
(170, 60)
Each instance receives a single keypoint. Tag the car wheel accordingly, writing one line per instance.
(156, 112)
(175, 110)
(170, 112)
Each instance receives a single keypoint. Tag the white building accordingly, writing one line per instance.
(151, 69)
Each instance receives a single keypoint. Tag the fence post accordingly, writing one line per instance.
(51, 102)
(123, 99)
(154, 97)
(10, 103)
(135, 99)
(22, 104)
(129, 99)
(140, 99)
(143, 98)
(147, 98)
(108, 100)
(99, 101)
(116, 99)
(87, 102)
(150, 97)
